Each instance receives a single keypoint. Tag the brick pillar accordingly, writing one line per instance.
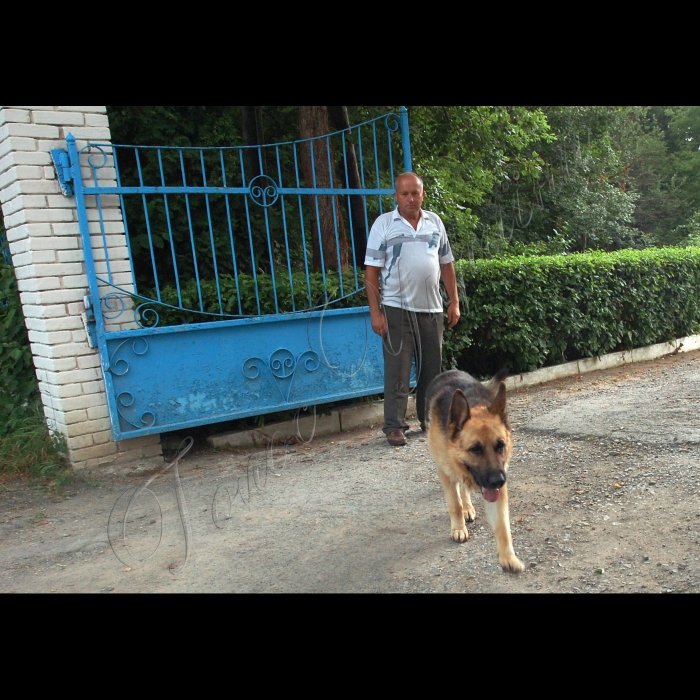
(44, 236)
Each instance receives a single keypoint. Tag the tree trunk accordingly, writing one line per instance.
(251, 122)
(340, 121)
(313, 121)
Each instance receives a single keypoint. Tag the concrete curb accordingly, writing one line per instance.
(372, 415)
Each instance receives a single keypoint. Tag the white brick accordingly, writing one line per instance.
(95, 110)
(79, 416)
(76, 308)
(65, 350)
(20, 172)
(20, 246)
(104, 436)
(110, 227)
(58, 393)
(34, 257)
(10, 192)
(83, 402)
(70, 256)
(104, 450)
(15, 158)
(88, 133)
(79, 336)
(99, 412)
(75, 376)
(31, 310)
(118, 259)
(52, 338)
(40, 284)
(62, 243)
(113, 241)
(49, 364)
(49, 270)
(60, 201)
(88, 426)
(62, 229)
(75, 281)
(59, 119)
(94, 387)
(26, 201)
(87, 361)
(28, 187)
(67, 323)
(111, 206)
(19, 116)
(80, 441)
(16, 144)
(31, 231)
(52, 144)
(29, 216)
(36, 131)
(96, 120)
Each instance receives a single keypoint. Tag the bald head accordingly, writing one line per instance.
(407, 175)
(409, 196)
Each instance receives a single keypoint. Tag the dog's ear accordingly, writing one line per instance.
(498, 405)
(459, 412)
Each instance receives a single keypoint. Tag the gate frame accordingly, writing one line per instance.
(44, 237)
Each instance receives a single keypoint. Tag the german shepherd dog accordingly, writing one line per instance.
(470, 438)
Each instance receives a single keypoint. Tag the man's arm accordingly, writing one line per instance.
(449, 278)
(379, 324)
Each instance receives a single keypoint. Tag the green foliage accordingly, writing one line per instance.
(26, 446)
(530, 312)
(18, 384)
(294, 296)
(29, 448)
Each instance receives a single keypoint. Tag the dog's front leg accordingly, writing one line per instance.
(467, 507)
(499, 517)
(454, 508)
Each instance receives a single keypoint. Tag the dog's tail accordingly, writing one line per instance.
(497, 378)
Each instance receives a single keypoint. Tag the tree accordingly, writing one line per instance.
(318, 160)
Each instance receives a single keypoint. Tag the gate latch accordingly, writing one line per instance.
(61, 164)
(88, 318)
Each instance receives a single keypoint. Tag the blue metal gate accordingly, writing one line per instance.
(239, 290)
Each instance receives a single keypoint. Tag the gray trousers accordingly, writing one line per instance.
(410, 334)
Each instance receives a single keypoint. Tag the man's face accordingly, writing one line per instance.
(409, 196)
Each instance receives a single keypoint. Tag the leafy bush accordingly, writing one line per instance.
(26, 446)
(18, 384)
(294, 296)
(529, 312)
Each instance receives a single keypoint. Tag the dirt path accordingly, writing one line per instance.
(604, 487)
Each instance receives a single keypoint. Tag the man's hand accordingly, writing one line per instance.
(379, 323)
(453, 313)
(450, 280)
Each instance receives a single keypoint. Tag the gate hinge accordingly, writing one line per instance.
(61, 164)
(89, 322)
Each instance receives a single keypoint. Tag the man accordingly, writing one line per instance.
(408, 247)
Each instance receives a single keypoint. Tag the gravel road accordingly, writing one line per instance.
(604, 485)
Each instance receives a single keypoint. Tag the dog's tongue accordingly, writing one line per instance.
(491, 495)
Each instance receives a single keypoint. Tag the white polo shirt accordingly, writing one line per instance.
(410, 260)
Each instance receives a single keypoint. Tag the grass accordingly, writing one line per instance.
(28, 449)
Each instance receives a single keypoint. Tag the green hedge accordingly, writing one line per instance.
(530, 312)
(298, 289)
